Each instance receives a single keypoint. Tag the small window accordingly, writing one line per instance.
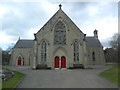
(78, 57)
(74, 57)
(93, 56)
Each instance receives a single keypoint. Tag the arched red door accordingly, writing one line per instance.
(56, 62)
(63, 62)
(19, 61)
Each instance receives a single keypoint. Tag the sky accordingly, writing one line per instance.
(23, 19)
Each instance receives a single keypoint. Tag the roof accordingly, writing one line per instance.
(93, 42)
(59, 14)
(24, 44)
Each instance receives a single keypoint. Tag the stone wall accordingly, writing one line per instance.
(26, 54)
(99, 56)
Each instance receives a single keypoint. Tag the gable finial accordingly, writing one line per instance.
(60, 6)
(19, 38)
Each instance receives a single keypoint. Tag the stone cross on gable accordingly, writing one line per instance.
(60, 6)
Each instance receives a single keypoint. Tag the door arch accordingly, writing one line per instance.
(56, 62)
(63, 62)
(19, 61)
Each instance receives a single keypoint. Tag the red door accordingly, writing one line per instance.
(63, 62)
(56, 62)
(19, 62)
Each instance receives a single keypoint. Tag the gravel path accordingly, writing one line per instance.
(74, 78)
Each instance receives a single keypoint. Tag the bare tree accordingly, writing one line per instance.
(114, 41)
(111, 54)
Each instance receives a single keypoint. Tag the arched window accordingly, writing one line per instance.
(60, 33)
(76, 51)
(43, 52)
(93, 56)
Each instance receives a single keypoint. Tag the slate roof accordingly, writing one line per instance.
(93, 42)
(24, 44)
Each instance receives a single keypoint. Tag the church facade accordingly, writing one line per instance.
(59, 44)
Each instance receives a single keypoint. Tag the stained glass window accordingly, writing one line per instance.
(76, 51)
(43, 52)
(60, 33)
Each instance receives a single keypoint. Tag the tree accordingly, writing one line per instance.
(114, 41)
(111, 54)
(6, 55)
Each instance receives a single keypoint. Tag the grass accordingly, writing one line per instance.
(12, 82)
(112, 75)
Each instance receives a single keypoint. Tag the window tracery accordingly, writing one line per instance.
(43, 52)
(60, 33)
(76, 51)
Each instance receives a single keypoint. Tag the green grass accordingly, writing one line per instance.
(111, 74)
(12, 82)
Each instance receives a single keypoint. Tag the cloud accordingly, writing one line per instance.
(6, 40)
(25, 18)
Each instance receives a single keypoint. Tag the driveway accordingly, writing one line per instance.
(74, 78)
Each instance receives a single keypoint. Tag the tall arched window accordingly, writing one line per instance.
(43, 52)
(93, 56)
(76, 51)
(59, 33)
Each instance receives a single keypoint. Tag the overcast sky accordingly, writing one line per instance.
(26, 18)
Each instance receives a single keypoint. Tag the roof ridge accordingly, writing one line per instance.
(72, 21)
(89, 36)
(48, 21)
(53, 17)
(26, 39)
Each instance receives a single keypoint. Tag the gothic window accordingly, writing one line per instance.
(93, 56)
(43, 52)
(76, 51)
(60, 33)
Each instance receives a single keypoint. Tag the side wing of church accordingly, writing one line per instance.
(59, 44)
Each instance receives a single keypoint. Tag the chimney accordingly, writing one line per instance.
(95, 33)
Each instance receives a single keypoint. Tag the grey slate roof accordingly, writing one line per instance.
(93, 42)
(24, 44)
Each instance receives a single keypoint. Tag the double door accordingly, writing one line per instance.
(58, 61)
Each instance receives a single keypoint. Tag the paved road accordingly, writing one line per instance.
(80, 78)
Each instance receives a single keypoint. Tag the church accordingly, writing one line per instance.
(59, 44)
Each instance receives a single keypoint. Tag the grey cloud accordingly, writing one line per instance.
(80, 11)
(32, 16)
(105, 43)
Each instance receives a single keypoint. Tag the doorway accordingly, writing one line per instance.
(63, 62)
(19, 62)
(56, 62)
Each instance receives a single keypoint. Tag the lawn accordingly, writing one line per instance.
(11, 83)
(112, 75)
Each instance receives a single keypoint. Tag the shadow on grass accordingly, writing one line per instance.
(12, 82)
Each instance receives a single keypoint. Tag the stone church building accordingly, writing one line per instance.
(59, 44)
